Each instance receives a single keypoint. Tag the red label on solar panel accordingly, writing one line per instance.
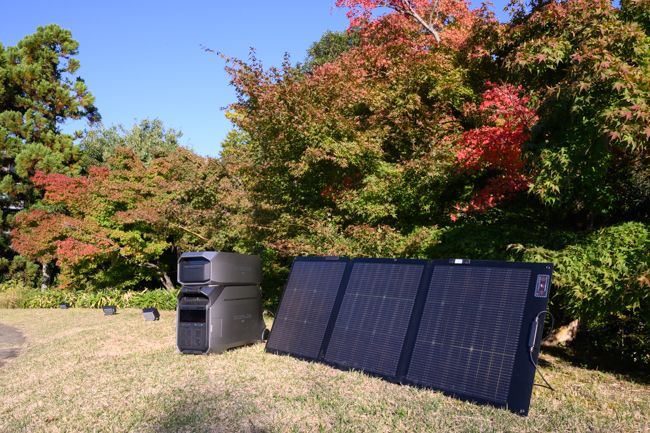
(541, 287)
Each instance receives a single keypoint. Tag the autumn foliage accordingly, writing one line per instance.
(427, 129)
(497, 146)
(121, 218)
(445, 21)
(439, 131)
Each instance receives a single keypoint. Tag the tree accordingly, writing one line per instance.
(433, 16)
(330, 46)
(149, 139)
(122, 225)
(589, 66)
(356, 155)
(38, 92)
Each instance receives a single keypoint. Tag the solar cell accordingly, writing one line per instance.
(374, 315)
(470, 331)
(306, 306)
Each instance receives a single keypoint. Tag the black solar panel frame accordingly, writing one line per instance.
(342, 285)
(523, 372)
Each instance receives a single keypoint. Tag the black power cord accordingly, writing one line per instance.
(531, 346)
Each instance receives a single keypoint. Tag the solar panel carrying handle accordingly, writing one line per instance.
(532, 335)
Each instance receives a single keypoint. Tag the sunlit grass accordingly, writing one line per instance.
(81, 371)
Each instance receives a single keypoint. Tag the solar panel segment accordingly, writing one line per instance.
(469, 331)
(374, 315)
(306, 306)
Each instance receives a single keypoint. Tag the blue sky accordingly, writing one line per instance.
(143, 59)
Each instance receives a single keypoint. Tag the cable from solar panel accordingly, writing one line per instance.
(532, 348)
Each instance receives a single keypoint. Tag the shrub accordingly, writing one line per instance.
(99, 298)
(47, 299)
(159, 298)
(604, 280)
(12, 294)
(19, 270)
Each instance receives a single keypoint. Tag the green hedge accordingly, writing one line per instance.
(18, 296)
(604, 280)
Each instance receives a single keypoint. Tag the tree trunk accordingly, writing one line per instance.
(166, 281)
(46, 278)
(162, 275)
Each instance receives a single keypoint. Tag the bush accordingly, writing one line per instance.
(13, 294)
(19, 270)
(159, 298)
(47, 299)
(604, 280)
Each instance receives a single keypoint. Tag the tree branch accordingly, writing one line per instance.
(408, 9)
(191, 232)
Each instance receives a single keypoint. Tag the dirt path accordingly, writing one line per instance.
(10, 341)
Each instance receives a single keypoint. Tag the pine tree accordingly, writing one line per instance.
(38, 93)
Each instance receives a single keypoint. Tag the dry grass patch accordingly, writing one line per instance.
(81, 371)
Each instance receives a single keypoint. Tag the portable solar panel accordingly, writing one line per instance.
(306, 306)
(374, 315)
(468, 328)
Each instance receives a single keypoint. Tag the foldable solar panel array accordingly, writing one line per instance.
(468, 328)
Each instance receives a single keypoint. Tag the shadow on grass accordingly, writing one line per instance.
(8, 354)
(10, 341)
(544, 363)
(207, 412)
(582, 356)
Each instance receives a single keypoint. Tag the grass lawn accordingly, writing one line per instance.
(81, 371)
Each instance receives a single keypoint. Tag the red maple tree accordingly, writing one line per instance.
(446, 21)
(497, 146)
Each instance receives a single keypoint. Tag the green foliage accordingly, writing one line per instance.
(160, 298)
(637, 11)
(605, 274)
(13, 294)
(275, 271)
(38, 92)
(604, 280)
(491, 236)
(148, 139)
(589, 64)
(48, 299)
(330, 46)
(19, 269)
(105, 272)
